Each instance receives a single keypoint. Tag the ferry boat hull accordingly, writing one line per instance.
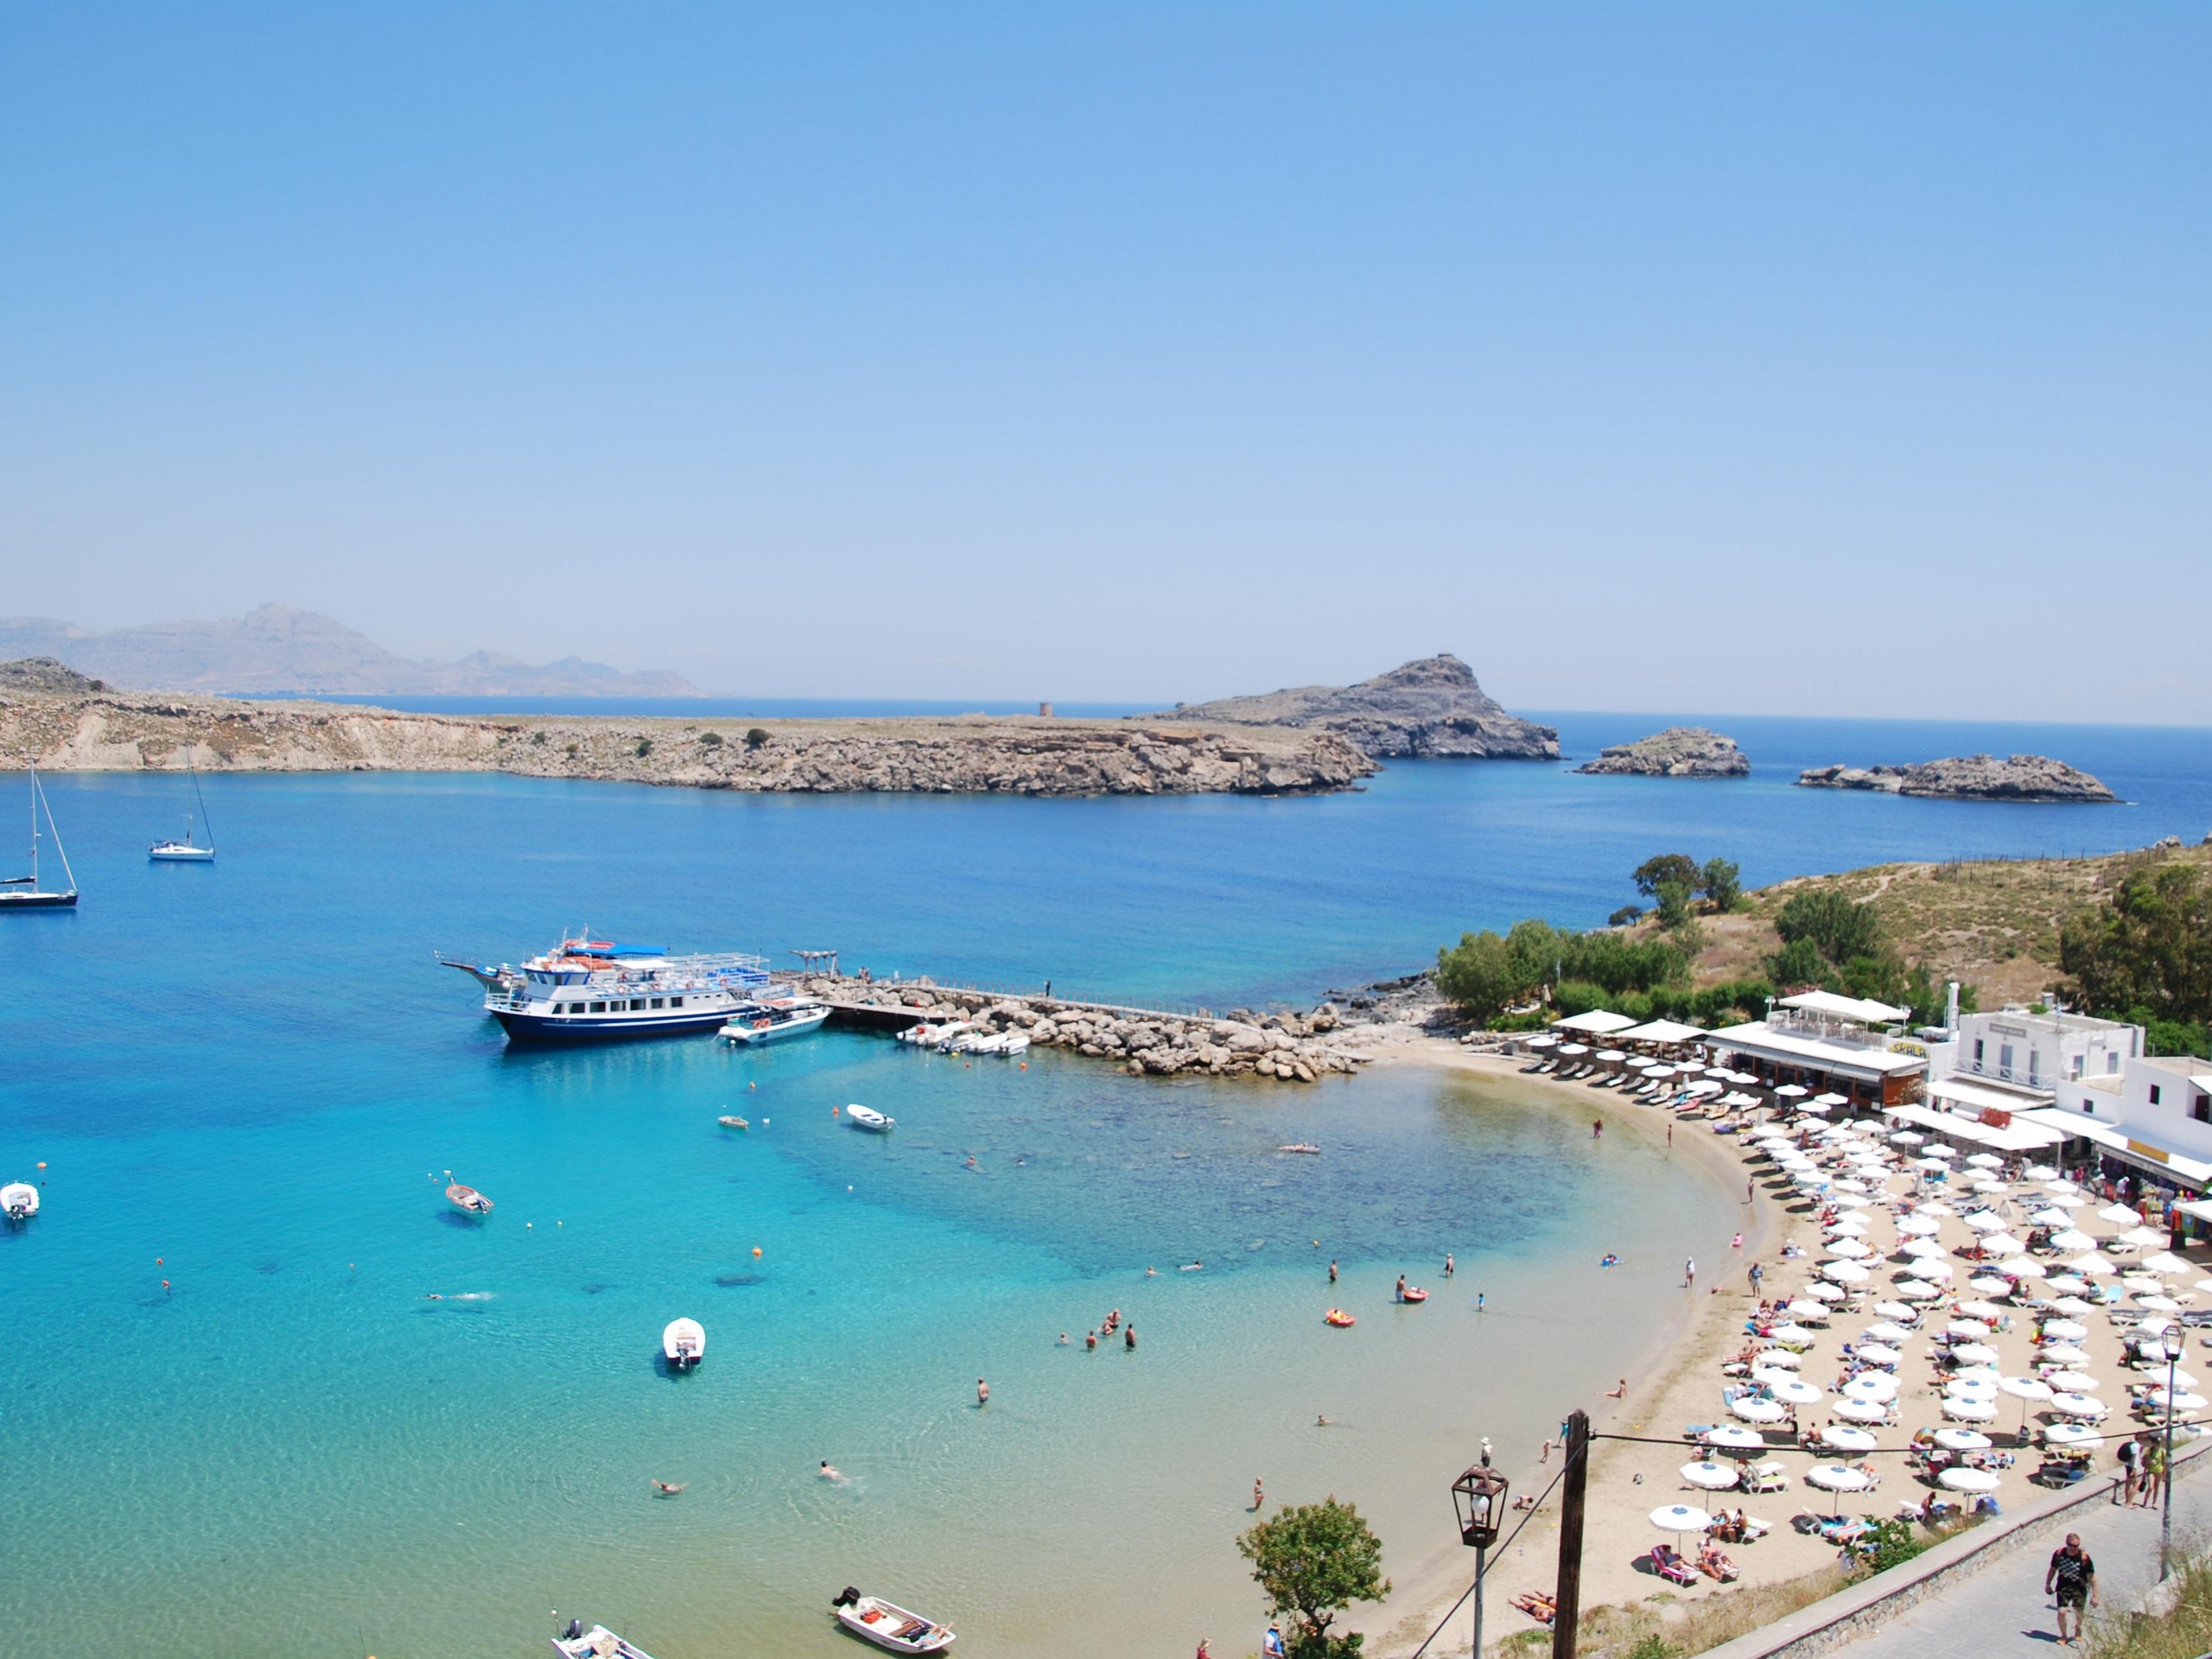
(596, 1028)
(588, 991)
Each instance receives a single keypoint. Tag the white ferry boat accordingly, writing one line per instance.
(589, 990)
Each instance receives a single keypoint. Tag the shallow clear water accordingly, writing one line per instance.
(251, 1080)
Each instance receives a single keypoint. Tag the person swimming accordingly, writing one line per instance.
(669, 1487)
(1063, 1339)
(828, 1473)
(1609, 1260)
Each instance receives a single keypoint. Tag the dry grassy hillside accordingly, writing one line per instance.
(1992, 924)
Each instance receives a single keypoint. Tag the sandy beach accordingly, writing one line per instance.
(1680, 1379)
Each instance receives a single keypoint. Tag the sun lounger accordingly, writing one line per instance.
(1671, 1566)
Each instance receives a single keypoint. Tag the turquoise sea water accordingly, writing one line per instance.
(250, 1080)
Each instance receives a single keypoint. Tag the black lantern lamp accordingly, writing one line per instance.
(1480, 1497)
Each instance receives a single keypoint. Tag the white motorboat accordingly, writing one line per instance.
(597, 1642)
(1015, 1042)
(467, 1200)
(867, 1117)
(921, 1032)
(763, 1021)
(888, 1626)
(949, 1035)
(684, 1344)
(18, 1202)
(184, 852)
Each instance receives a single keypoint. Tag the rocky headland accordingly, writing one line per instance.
(1678, 752)
(1969, 777)
(1430, 707)
(55, 719)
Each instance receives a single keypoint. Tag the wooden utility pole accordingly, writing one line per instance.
(1574, 1485)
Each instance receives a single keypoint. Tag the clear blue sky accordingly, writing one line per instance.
(1834, 358)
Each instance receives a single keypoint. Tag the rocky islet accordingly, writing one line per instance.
(1431, 706)
(1969, 777)
(1678, 752)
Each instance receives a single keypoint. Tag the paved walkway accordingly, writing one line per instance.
(2001, 1612)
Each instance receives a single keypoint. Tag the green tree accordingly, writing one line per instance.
(1314, 1560)
(755, 737)
(1626, 916)
(1654, 873)
(2148, 955)
(1480, 975)
(1839, 926)
(1797, 963)
(1674, 902)
(1722, 883)
(1539, 953)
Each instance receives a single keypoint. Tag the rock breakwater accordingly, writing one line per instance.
(1287, 1047)
(1969, 777)
(129, 731)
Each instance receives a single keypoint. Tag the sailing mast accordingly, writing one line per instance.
(38, 792)
(202, 800)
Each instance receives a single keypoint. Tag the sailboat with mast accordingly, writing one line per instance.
(24, 892)
(184, 852)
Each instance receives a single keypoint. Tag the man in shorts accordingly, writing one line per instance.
(2072, 1581)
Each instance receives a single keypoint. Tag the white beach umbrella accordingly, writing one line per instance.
(1680, 1517)
(1711, 1477)
(1968, 1480)
(1827, 1292)
(2041, 1173)
(1796, 1391)
(2065, 1330)
(1879, 1387)
(1806, 1307)
(2024, 1267)
(1897, 1313)
(1611, 1055)
(2158, 1304)
(1922, 1247)
(1778, 1358)
(1861, 1411)
(1986, 1183)
(2179, 1378)
(1829, 1100)
(1988, 1312)
(1850, 1249)
(1844, 1272)
(1847, 1439)
(1574, 1048)
(1887, 1331)
(1791, 1092)
(1790, 1334)
(1935, 1207)
(2166, 1262)
(1929, 1267)
(2069, 1284)
(1731, 1437)
(1967, 1408)
(2072, 1434)
(2027, 1388)
(1962, 1439)
(2093, 1266)
(2079, 1405)
(1878, 1353)
(1939, 1150)
(1931, 1163)
(1919, 1290)
(1983, 1221)
(1975, 1382)
(1906, 1138)
(1767, 1376)
(2052, 1215)
(2121, 1215)
(1973, 1353)
(2141, 1237)
(2061, 1353)
(1966, 1331)
(1989, 1285)
(2148, 1284)
(1845, 1184)
(1918, 1226)
(1986, 1160)
(1752, 1409)
(1852, 1201)
(2066, 1188)
(2066, 1201)
(2001, 1244)
(2155, 1400)
(2073, 1307)
(1837, 1477)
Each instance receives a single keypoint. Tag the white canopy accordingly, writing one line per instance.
(1596, 1022)
(1660, 1031)
(1857, 1009)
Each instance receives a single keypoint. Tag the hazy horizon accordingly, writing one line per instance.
(1807, 361)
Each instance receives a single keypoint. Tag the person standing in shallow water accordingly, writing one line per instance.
(982, 1394)
(1332, 1273)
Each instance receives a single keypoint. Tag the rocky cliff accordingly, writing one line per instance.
(1678, 752)
(1969, 777)
(114, 731)
(1433, 707)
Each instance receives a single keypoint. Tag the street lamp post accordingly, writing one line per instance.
(1478, 1498)
(2171, 1339)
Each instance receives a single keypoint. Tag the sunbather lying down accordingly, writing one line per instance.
(1538, 1606)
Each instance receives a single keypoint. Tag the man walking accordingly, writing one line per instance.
(1689, 1273)
(2131, 1466)
(1757, 1273)
(2072, 1581)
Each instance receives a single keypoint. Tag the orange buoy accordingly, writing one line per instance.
(756, 1250)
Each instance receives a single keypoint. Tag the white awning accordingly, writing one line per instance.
(1982, 1096)
(1662, 1031)
(1598, 1022)
(2126, 1144)
(2018, 1135)
(1845, 1008)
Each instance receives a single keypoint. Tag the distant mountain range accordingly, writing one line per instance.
(277, 649)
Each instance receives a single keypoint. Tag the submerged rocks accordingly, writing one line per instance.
(1678, 752)
(1969, 777)
(1431, 706)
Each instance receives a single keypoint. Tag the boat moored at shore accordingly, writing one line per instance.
(771, 1020)
(597, 1642)
(591, 990)
(887, 1625)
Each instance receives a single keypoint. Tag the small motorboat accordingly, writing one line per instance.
(1305, 1147)
(731, 1120)
(1338, 1317)
(865, 1117)
(684, 1344)
(887, 1625)
(1414, 1293)
(467, 1200)
(764, 1021)
(18, 1202)
(597, 1642)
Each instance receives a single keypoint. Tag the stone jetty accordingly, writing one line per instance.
(1678, 752)
(1969, 777)
(1288, 1047)
(55, 719)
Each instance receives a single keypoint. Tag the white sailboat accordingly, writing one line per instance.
(24, 892)
(184, 852)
